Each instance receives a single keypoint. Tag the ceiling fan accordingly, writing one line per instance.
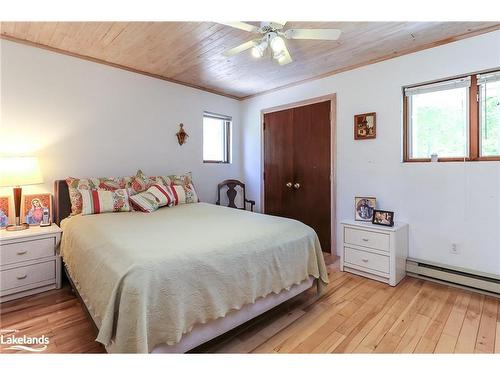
(273, 36)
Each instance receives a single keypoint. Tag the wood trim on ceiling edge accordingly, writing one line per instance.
(380, 59)
(114, 65)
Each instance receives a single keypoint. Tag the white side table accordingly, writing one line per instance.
(375, 251)
(29, 261)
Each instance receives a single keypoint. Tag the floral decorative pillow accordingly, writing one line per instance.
(101, 201)
(141, 182)
(189, 193)
(93, 183)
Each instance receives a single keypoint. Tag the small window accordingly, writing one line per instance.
(489, 114)
(437, 118)
(216, 138)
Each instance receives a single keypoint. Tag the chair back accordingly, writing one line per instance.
(232, 193)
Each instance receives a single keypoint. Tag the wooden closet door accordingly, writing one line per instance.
(278, 163)
(297, 167)
(312, 166)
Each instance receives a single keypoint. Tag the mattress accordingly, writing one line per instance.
(149, 278)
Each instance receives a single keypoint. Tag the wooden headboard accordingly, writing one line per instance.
(62, 204)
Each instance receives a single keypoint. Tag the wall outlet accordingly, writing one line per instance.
(454, 249)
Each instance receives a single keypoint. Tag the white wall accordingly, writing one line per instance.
(443, 203)
(86, 119)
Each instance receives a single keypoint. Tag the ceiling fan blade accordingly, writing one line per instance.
(277, 24)
(242, 26)
(286, 58)
(318, 34)
(241, 47)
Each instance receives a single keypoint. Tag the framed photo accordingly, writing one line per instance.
(364, 207)
(365, 126)
(37, 209)
(381, 217)
(4, 212)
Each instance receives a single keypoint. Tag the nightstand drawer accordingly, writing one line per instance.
(36, 273)
(379, 241)
(366, 259)
(27, 250)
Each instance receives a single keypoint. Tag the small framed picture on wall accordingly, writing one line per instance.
(37, 209)
(365, 126)
(4, 212)
(363, 208)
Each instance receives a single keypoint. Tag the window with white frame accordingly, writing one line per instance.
(216, 138)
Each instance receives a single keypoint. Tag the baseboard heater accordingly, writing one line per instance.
(461, 277)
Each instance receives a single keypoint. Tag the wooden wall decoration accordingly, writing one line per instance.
(181, 135)
(365, 126)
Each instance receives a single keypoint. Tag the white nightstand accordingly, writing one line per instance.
(29, 261)
(375, 251)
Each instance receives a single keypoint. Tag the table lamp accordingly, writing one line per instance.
(18, 171)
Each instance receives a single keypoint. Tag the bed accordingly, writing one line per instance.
(168, 281)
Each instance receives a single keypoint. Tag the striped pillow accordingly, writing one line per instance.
(97, 183)
(101, 201)
(157, 196)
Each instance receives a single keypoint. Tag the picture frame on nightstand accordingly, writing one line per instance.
(37, 209)
(4, 212)
(385, 218)
(363, 208)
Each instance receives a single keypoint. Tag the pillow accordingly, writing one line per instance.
(189, 193)
(93, 183)
(158, 196)
(155, 197)
(101, 201)
(141, 182)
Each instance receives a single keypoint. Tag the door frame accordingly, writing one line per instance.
(333, 156)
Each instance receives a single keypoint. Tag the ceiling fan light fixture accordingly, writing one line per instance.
(279, 55)
(281, 59)
(258, 51)
(277, 45)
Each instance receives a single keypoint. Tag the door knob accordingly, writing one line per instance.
(296, 186)
(288, 184)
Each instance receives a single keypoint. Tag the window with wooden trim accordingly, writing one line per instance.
(453, 120)
(489, 114)
(216, 138)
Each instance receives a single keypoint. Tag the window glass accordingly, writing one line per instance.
(216, 139)
(439, 123)
(489, 117)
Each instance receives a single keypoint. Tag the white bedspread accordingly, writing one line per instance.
(147, 279)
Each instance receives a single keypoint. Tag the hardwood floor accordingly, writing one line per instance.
(355, 315)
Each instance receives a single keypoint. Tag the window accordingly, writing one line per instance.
(216, 138)
(437, 120)
(457, 119)
(489, 113)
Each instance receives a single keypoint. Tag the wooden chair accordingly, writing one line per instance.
(232, 193)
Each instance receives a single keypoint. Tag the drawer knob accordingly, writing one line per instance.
(365, 239)
(22, 252)
(22, 277)
(365, 260)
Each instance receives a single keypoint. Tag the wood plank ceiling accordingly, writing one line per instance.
(191, 52)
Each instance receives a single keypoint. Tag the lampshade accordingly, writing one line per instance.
(18, 171)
